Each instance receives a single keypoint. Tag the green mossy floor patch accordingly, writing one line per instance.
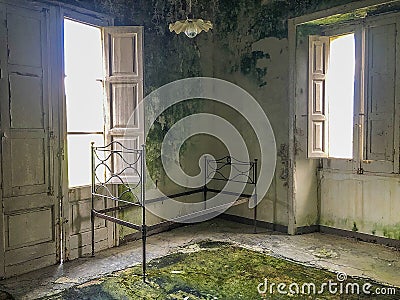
(216, 270)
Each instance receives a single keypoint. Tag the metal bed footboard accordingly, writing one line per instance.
(111, 169)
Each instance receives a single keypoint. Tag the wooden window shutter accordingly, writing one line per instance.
(381, 132)
(123, 56)
(317, 102)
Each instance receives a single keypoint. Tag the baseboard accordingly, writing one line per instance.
(276, 227)
(261, 224)
(361, 236)
(307, 229)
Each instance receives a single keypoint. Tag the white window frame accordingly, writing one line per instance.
(91, 20)
(81, 132)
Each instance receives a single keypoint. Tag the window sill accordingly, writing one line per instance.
(340, 164)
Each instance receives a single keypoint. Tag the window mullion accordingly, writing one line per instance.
(84, 132)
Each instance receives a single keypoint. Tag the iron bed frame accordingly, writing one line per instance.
(132, 175)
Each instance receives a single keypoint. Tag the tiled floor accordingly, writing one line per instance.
(326, 251)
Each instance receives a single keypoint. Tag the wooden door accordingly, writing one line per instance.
(29, 205)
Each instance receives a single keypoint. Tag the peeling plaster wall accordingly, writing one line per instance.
(266, 81)
(305, 176)
(249, 47)
(251, 50)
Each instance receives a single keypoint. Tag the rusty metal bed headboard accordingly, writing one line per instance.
(243, 172)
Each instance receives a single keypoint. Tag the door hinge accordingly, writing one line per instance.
(60, 154)
(60, 196)
(62, 220)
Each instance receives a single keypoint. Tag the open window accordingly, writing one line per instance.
(84, 97)
(331, 96)
(90, 117)
(353, 102)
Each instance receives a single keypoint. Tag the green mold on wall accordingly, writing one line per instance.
(382, 230)
(388, 231)
(248, 66)
(160, 128)
(304, 30)
(354, 227)
(357, 14)
(327, 222)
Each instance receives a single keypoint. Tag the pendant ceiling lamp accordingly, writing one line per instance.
(191, 27)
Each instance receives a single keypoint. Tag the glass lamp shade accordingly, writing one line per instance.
(191, 27)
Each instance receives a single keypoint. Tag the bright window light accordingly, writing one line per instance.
(84, 97)
(340, 95)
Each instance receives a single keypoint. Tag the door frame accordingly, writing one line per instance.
(2, 93)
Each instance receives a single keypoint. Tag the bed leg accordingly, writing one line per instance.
(144, 236)
(255, 219)
(92, 225)
(93, 183)
(255, 179)
(205, 196)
